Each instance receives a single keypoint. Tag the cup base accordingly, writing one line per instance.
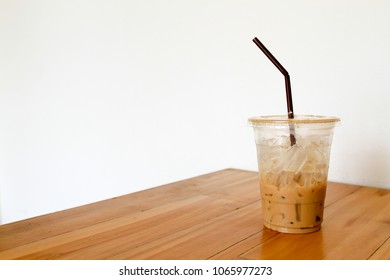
(292, 230)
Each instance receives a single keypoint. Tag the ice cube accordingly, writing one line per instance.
(306, 180)
(319, 177)
(286, 179)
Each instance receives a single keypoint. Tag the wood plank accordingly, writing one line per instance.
(79, 239)
(203, 240)
(146, 229)
(134, 228)
(30, 230)
(364, 221)
(235, 251)
(383, 252)
(336, 191)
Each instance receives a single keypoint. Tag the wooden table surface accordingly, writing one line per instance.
(213, 216)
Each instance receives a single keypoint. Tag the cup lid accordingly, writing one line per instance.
(298, 119)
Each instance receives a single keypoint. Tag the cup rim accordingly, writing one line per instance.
(298, 119)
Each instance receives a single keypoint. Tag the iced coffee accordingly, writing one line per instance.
(293, 176)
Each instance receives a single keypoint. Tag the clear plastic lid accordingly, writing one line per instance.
(298, 119)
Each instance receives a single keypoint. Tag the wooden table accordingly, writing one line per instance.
(214, 216)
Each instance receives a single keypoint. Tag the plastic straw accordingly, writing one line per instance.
(290, 110)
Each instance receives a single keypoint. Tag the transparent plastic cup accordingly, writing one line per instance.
(293, 177)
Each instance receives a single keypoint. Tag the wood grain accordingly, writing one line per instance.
(212, 216)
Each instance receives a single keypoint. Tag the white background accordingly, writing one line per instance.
(110, 269)
(103, 98)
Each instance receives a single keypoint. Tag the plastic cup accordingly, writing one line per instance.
(293, 178)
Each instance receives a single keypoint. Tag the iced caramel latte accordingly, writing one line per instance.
(293, 177)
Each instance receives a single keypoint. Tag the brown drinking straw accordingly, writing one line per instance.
(290, 110)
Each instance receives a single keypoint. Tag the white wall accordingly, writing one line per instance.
(103, 98)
